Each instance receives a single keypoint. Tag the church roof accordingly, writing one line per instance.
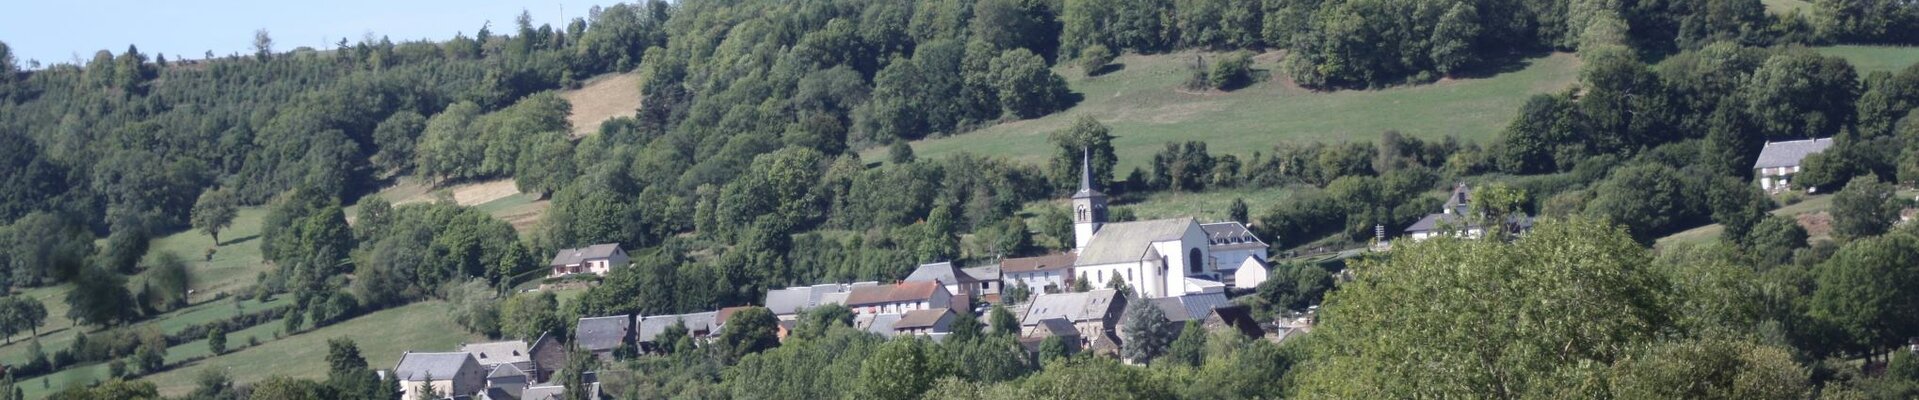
(1128, 241)
(1086, 189)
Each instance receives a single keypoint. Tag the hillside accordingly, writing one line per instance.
(601, 99)
(1145, 107)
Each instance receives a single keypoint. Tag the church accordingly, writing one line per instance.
(1163, 257)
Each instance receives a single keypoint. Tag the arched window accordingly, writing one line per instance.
(1193, 261)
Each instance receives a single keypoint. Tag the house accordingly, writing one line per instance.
(495, 354)
(1234, 248)
(597, 259)
(1094, 313)
(698, 325)
(898, 298)
(1189, 307)
(925, 322)
(1455, 218)
(1052, 273)
(452, 374)
(790, 302)
(881, 324)
(990, 282)
(957, 282)
(1033, 337)
(1156, 258)
(603, 335)
(507, 380)
(1779, 162)
(548, 356)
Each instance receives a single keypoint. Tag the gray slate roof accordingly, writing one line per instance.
(506, 371)
(495, 353)
(881, 324)
(603, 333)
(922, 318)
(416, 367)
(1432, 222)
(987, 273)
(943, 272)
(1074, 307)
(1190, 307)
(1231, 236)
(1128, 241)
(792, 300)
(650, 327)
(579, 255)
(1789, 153)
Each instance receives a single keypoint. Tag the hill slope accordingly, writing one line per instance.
(601, 99)
(1145, 107)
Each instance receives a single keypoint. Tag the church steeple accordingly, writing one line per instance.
(1089, 205)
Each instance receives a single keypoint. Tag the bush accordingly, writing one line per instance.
(1093, 60)
(1233, 71)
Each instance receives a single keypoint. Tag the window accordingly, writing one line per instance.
(1192, 261)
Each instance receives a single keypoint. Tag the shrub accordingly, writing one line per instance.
(1093, 60)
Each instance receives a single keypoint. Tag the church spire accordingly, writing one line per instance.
(1086, 189)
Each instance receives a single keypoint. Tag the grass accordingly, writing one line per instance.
(1708, 233)
(235, 263)
(602, 98)
(382, 337)
(1145, 108)
(1868, 59)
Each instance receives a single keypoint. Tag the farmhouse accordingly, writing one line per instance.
(698, 325)
(492, 356)
(898, 298)
(956, 281)
(1779, 162)
(597, 259)
(788, 303)
(925, 322)
(1456, 219)
(1050, 273)
(453, 374)
(1093, 314)
(602, 335)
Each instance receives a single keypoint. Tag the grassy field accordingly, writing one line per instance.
(1145, 107)
(382, 337)
(236, 262)
(602, 98)
(499, 198)
(1811, 205)
(1875, 58)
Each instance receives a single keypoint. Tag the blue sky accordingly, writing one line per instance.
(54, 31)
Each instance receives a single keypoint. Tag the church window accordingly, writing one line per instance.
(1192, 261)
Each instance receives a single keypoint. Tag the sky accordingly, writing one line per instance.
(56, 31)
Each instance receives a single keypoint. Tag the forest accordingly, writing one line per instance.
(741, 172)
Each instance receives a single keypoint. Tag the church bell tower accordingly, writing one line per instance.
(1089, 205)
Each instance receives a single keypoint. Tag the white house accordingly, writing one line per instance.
(597, 259)
(1779, 161)
(1234, 248)
(448, 374)
(898, 298)
(957, 281)
(1050, 273)
(1454, 219)
(925, 322)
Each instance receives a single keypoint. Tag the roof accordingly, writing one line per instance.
(1231, 236)
(579, 255)
(877, 323)
(922, 318)
(603, 333)
(1432, 222)
(986, 273)
(1200, 284)
(1789, 153)
(1054, 327)
(1190, 307)
(495, 353)
(1461, 196)
(792, 300)
(652, 326)
(506, 371)
(1040, 263)
(1075, 307)
(1086, 189)
(1240, 317)
(416, 367)
(943, 272)
(895, 293)
(720, 317)
(1128, 241)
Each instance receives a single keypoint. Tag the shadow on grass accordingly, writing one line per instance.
(238, 240)
(1107, 69)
